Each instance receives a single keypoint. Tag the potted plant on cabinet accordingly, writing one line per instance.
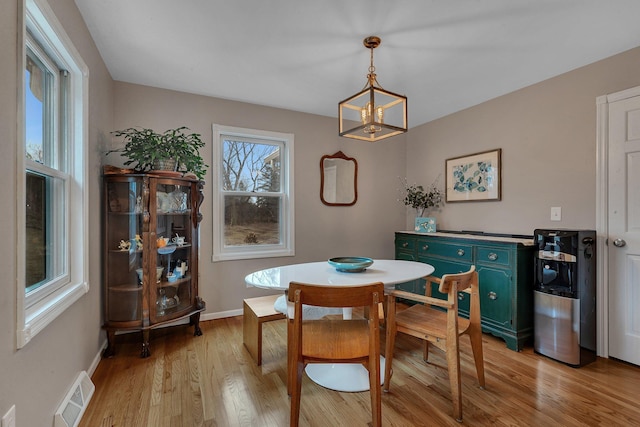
(422, 200)
(175, 149)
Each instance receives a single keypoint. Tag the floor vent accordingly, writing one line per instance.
(75, 402)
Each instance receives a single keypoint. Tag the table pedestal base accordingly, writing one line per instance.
(350, 377)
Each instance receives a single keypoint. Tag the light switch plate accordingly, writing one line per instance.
(556, 213)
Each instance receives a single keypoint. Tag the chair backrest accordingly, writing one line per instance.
(334, 340)
(335, 296)
(367, 296)
(452, 283)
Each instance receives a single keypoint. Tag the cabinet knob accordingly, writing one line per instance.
(425, 248)
(460, 296)
(493, 296)
(460, 252)
(405, 244)
(492, 256)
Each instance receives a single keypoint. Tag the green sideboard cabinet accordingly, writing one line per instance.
(505, 272)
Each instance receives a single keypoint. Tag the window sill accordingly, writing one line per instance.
(231, 256)
(44, 312)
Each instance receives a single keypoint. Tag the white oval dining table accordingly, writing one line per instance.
(341, 377)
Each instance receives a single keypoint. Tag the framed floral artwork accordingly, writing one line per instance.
(475, 177)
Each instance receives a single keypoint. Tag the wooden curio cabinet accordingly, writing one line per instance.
(150, 253)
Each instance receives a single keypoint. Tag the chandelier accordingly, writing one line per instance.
(373, 113)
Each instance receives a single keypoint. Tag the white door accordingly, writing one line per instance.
(624, 229)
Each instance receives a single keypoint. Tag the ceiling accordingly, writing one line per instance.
(307, 55)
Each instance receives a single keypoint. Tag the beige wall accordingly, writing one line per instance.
(547, 133)
(37, 377)
(365, 229)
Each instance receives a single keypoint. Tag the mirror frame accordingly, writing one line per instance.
(339, 155)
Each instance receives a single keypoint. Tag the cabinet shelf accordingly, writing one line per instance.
(185, 212)
(130, 284)
(126, 288)
(126, 251)
(174, 284)
(133, 213)
(177, 248)
(139, 251)
(124, 213)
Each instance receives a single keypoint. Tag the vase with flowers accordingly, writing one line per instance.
(421, 199)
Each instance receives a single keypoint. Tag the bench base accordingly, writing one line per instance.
(256, 311)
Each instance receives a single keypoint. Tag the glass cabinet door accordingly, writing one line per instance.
(175, 250)
(123, 268)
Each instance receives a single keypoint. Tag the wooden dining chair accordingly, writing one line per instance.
(436, 321)
(331, 340)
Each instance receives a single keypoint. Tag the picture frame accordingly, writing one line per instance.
(474, 177)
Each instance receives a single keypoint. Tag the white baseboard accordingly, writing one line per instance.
(96, 360)
(221, 314)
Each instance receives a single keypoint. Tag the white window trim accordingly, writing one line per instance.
(287, 248)
(31, 319)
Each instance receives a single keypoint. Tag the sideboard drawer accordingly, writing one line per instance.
(405, 243)
(455, 251)
(492, 256)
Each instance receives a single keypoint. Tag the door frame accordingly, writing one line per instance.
(602, 214)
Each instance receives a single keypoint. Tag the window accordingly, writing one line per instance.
(52, 218)
(253, 194)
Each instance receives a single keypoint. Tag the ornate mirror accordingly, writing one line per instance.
(338, 180)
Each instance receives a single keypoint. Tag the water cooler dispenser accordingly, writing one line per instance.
(565, 295)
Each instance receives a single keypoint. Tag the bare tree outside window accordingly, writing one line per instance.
(252, 192)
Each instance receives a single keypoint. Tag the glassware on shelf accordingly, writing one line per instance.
(161, 302)
(177, 200)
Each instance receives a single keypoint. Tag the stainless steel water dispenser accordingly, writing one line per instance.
(565, 295)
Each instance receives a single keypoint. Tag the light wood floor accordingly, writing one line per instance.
(212, 381)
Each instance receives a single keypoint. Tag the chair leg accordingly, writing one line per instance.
(290, 358)
(476, 346)
(425, 351)
(294, 418)
(453, 365)
(374, 390)
(390, 341)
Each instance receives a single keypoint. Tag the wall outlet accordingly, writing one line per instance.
(556, 214)
(9, 419)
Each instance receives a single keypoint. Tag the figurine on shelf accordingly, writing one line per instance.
(138, 240)
(114, 202)
(138, 204)
(124, 245)
(181, 269)
(178, 240)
